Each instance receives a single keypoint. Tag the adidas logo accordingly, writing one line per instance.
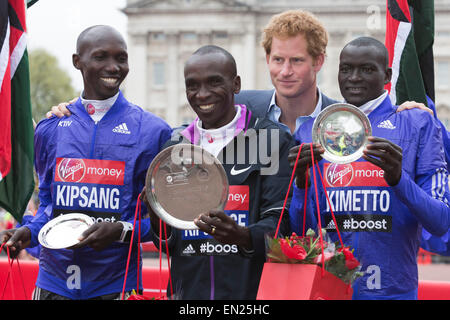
(122, 128)
(331, 225)
(386, 124)
(189, 249)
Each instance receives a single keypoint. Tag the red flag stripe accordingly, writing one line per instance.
(4, 57)
(5, 109)
(19, 8)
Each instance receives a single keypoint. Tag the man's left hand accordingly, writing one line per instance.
(386, 155)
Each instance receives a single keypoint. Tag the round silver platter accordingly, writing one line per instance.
(64, 230)
(184, 181)
(342, 130)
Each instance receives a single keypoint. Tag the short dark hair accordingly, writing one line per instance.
(85, 32)
(371, 42)
(216, 49)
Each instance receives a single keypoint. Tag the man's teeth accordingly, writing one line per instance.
(109, 80)
(206, 107)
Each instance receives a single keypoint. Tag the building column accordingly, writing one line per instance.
(137, 60)
(250, 55)
(173, 74)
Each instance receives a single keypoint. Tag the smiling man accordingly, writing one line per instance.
(208, 93)
(101, 79)
(381, 216)
(92, 162)
(224, 258)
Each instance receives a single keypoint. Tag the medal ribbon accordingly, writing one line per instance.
(10, 274)
(136, 215)
(314, 164)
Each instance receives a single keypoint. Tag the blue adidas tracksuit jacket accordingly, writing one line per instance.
(96, 169)
(384, 224)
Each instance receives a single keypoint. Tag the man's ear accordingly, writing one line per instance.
(319, 61)
(76, 60)
(237, 84)
(388, 76)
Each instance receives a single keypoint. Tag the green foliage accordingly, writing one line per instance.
(49, 84)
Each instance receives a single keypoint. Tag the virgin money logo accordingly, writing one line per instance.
(96, 171)
(339, 175)
(71, 170)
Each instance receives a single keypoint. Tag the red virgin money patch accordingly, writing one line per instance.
(238, 198)
(90, 171)
(355, 174)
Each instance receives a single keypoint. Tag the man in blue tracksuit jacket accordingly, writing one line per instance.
(383, 200)
(94, 162)
(430, 242)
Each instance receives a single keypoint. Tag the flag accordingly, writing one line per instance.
(409, 40)
(16, 151)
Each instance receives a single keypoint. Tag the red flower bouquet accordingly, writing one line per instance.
(295, 249)
(307, 267)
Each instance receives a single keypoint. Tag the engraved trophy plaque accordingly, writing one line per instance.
(184, 181)
(342, 130)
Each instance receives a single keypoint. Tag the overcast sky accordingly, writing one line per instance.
(55, 25)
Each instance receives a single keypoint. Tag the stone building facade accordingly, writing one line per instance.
(162, 34)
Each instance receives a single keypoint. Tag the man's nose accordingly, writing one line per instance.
(286, 69)
(355, 75)
(112, 66)
(203, 93)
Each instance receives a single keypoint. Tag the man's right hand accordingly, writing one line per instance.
(304, 160)
(60, 110)
(16, 240)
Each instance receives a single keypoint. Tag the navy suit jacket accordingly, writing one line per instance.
(259, 100)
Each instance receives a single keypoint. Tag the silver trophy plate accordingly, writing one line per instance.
(184, 181)
(64, 230)
(342, 130)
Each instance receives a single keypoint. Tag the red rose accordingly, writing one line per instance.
(296, 252)
(350, 261)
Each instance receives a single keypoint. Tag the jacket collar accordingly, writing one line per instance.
(192, 134)
(78, 109)
(385, 107)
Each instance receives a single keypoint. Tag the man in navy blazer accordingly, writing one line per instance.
(295, 44)
(259, 101)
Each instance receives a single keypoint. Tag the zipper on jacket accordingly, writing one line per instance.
(94, 137)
